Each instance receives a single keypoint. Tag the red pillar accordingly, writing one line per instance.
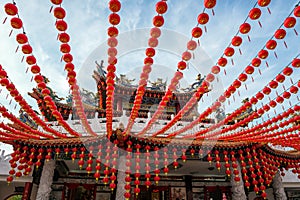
(27, 191)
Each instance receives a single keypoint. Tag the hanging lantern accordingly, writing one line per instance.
(236, 84)
(150, 52)
(286, 95)
(287, 71)
(59, 13)
(155, 32)
(263, 54)
(280, 34)
(266, 91)
(245, 28)
(297, 11)
(64, 37)
(114, 19)
(259, 95)
(26, 49)
(112, 31)
(256, 62)
(161, 7)
(273, 84)
(186, 56)
(280, 78)
(181, 65)
(16, 23)
(3, 74)
(67, 57)
(271, 44)
(61, 25)
(158, 21)
(229, 51)
(255, 13)
(263, 3)
(210, 3)
(65, 48)
(203, 18)
(11, 9)
(296, 63)
(249, 70)
(215, 69)
(236, 41)
(38, 78)
(35, 69)
(196, 32)
(30, 60)
(253, 100)
(114, 5)
(152, 42)
(243, 77)
(294, 89)
(21, 38)
(210, 78)
(279, 99)
(222, 62)
(56, 2)
(289, 22)
(112, 42)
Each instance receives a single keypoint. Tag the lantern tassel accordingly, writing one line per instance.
(225, 72)
(0, 91)
(27, 70)
(296, 32)
(275, 112)
(229, 102)
(4, 20)
(290, 103)
(217, 79)
(267, 64)
(193, 56)
(232, 62)
(269, 11)
(17, 49)
(205, 29)
(259, 23)
(275, 54)
(239, 93)
(292, 81)
(31, 79)
(10, 33)
(6, 96)
(50, 9)
(298, 98)
(259, 71)
(246, 87)
(276, 94)
(10, 102)
(249, 39)
(283, 87)
(198, 42)
(282, 107)
(213, 12)
(252, 79)
(233, 98)
(240, 51)
(15, 107)
(285, 44)
(22, 59)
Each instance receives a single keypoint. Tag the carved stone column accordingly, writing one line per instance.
(46, 180)
(237, 188)
(278, 189)
(121, 179)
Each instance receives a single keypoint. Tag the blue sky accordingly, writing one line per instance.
(87, 27)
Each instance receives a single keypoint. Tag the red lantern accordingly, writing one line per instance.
(196, 32)
(186, 56)
(297, 11)
(236, 84)
(287, 71)
(155, 32)
(64, 37)
(203, 18)
(59, 13)
(210, 77)
(112, 51)
(26, 49)
(4, 82)
(273, 103)
(254, 13)
(16, 23)
(266, 91)
(243, 77)
(161, 7)
(229, 51)
(273, 84)
(286, 95)
(114, 5)
(263, 54)
(231, 89)
(236, 41)
(67, 58)
(222, 62)
(153, 42)
(114, 19)
(21, 38)
(158, 21)
(253, 100)
(249, 70)
(181, 65)
(11, 9)
(289, 22)
(61, 25)
(71, 74)
(245, 28)
(296, 63)
(65, 48)
(280, 34)
(271, 44)
(30, 60)
(294, 89)
(215, 69)
(38, 78)
(280, 78)
(56, 2)
(35, 69)
(112, 42)
(263, 3)
(69, 67)
(279, 99)
(112, 31)
(210, 3)
(148, 61)
(191, 45)
(256, 62)
(150, 52)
